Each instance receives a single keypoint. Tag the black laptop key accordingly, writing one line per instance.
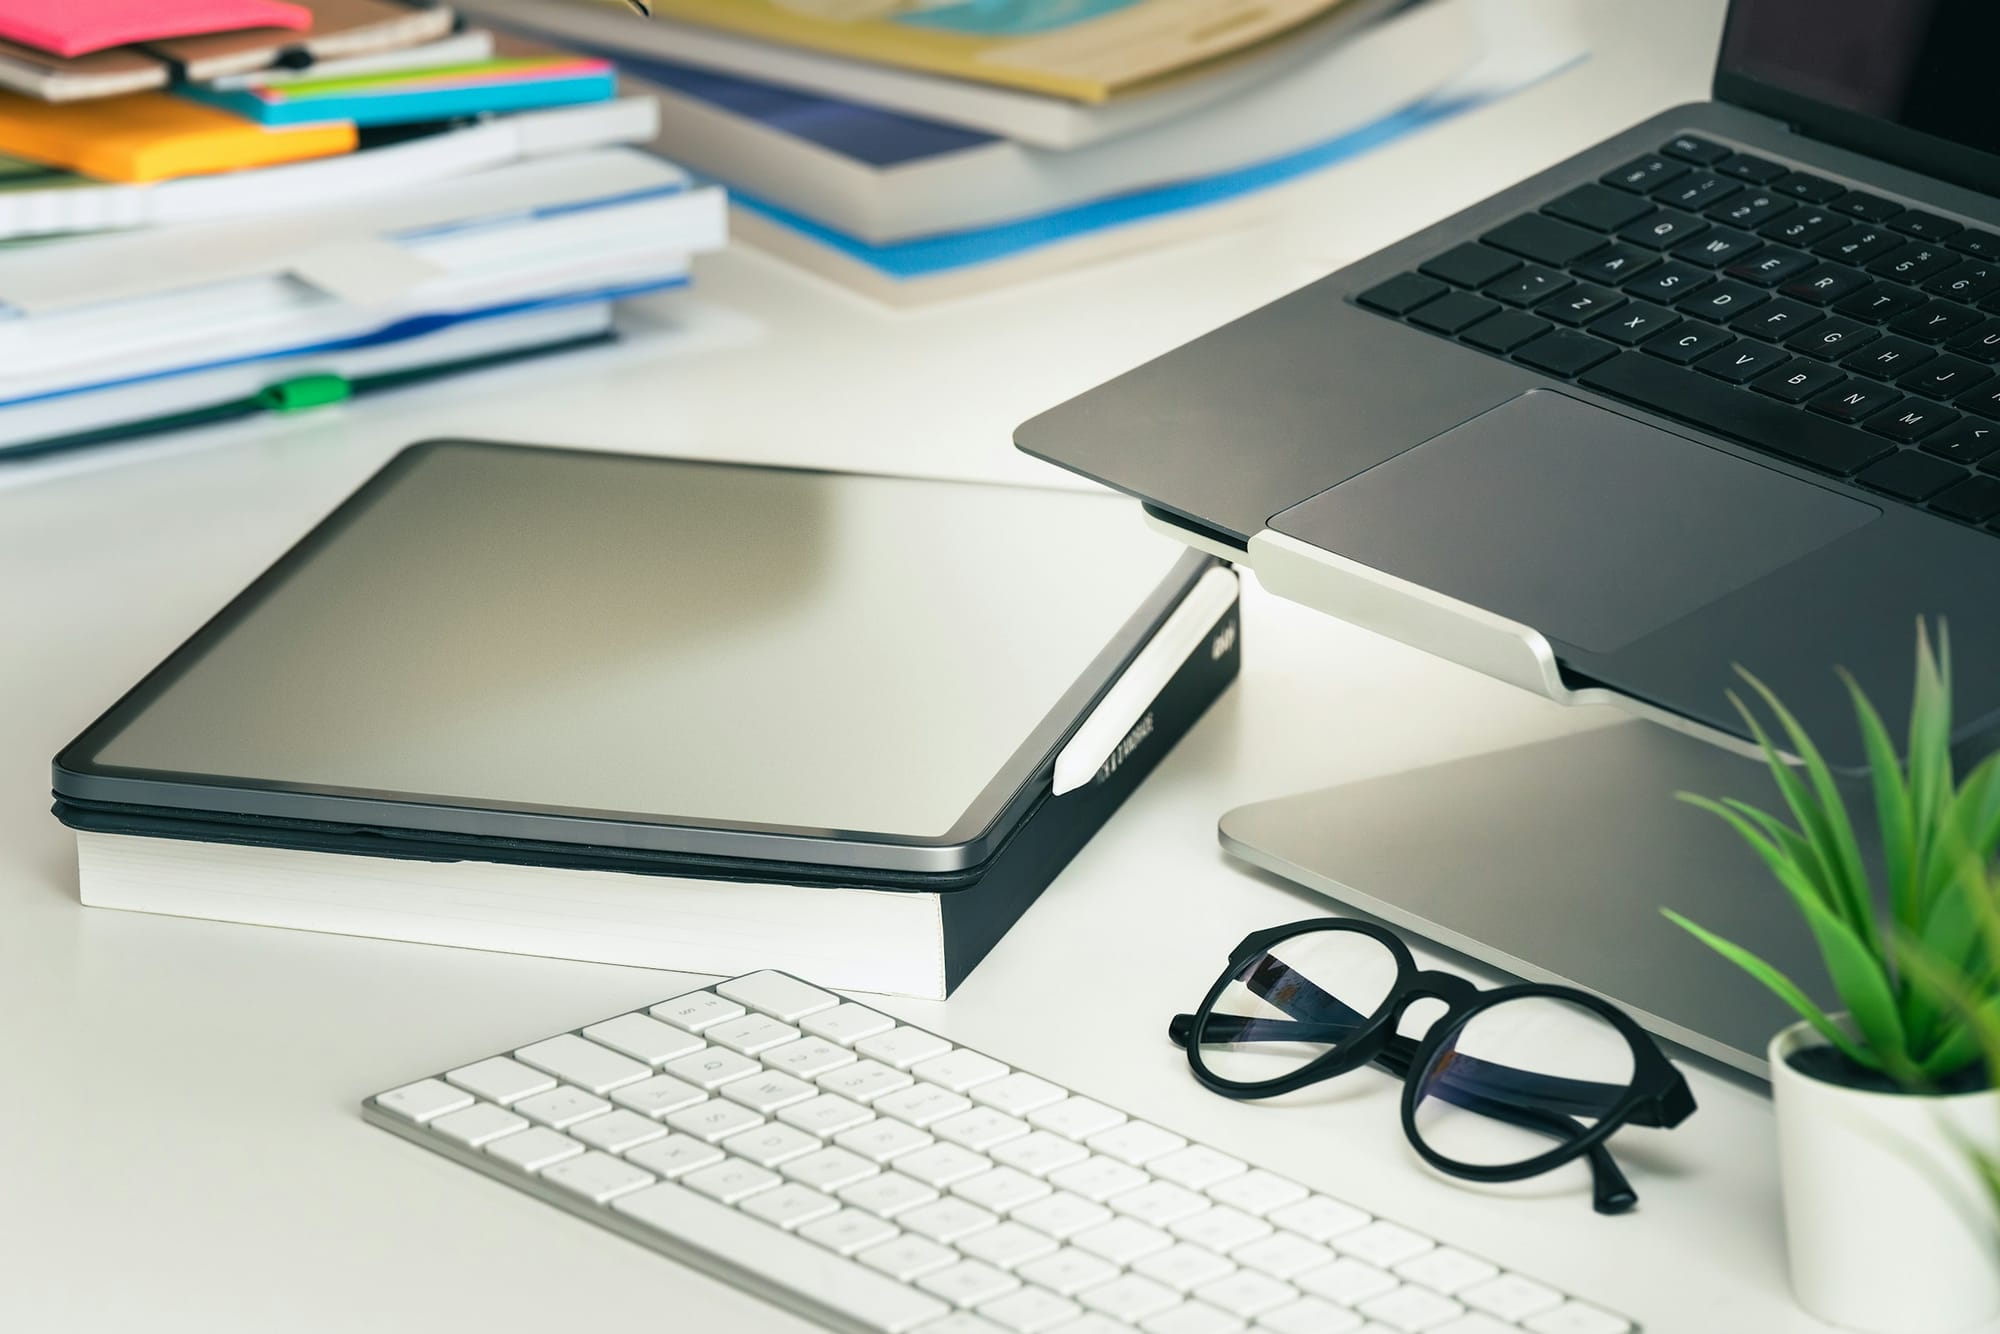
(1505, 331)
(1544, 240)
(1770, 266)
(1726, 410)
(1832, 338)
(1803, 227)
(1663, 228)
(1527, 285)
(1859, 244)
(1914, 262)
(1925, 226)
(1776, 320)
(1564, 352)
(1741, 361)
(1635, 323)
(1747, 168)
(1911, 420)
(1717, 246)
(1867, 207)
(1910, 475)
(1969, 441)
(1937, 321)
(1597, 207)
(1669, 282)
(1615, 263)
(1984, 245)
(1973, 499)
(1984, 400)
(1854, 400)
(1689, 148)
(1686, 343)
(1696, 192)
(1797, 380)
(1812, 189)
(1402, 293)
(1452, 312)
(1722, 300)
(1879, 302)
(1946, 377)
(1969, 281)
(1889, 358)
(1644, 174)
(1980, 343)
(1751, 208)
(1579, 305)
(1824, 284)
(1471, 265)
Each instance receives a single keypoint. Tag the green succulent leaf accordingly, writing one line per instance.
(1781, 986)
(1892, 805)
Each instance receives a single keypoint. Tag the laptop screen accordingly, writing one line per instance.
(1905, 80)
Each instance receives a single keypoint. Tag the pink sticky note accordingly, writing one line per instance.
(78, 27)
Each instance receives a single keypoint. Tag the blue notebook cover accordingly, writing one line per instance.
(407, 107)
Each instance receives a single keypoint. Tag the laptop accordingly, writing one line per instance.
(1723, 389)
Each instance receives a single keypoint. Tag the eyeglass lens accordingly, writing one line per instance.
(1294, 1003)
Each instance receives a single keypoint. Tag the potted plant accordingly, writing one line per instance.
(1887, 1110)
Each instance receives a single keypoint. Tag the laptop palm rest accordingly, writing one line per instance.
(1591, 527)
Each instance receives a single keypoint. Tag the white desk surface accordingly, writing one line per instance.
(179, 1142)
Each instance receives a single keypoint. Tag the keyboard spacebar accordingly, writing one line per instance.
(1736, 413)
(780, 1260)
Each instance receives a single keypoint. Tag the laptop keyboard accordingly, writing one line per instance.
(1821, 324)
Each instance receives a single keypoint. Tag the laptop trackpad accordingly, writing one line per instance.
(1588, 526)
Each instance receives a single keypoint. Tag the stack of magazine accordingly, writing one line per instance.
(220, 209)
(915, 149)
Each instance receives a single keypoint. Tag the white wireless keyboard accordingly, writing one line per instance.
(874, 1177)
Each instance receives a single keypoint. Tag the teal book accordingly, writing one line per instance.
(403, 97)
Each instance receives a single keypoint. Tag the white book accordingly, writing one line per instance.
(1391, 64)
(1032, 118)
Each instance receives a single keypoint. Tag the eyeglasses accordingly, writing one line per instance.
(1498, 1075)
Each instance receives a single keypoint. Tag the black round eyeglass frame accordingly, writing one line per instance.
(1657, 1094)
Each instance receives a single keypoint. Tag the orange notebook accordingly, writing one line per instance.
(155, 137)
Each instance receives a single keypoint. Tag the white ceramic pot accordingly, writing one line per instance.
(1889, 1229)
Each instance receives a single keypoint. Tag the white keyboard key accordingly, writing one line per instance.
(888, 1194)
(830, 1169)
(751, 1034)
(1383, 1244)
(1310, 1315)
(1197, 1167)
(500, 1079)
(808, 1058)
(1094, 1323)
(959, 1070)
(1184, 1266)
(713, 1068)
(907, 1257)
(674, 1156)
(1068, 1271)
(1008, 1245)
(1062, 1215)
(1039, 1153)
(476, 1125)
(1511, 1297)
(848, 1231)
(1098, 1178)
(657, 1096)
(748, 1245)
(714, 1121)
(1018, 1094)
(1257, 1192)
(1135, 1142)
(533, 1149)
(883, 1140)
(946, 1220)
(1411, 1309)
(617, 1130)
(1121, 1241)
(1130, 1298)
(769, 1145)
(582, 1063)
(696, 1011)
(902, 1048)
(1349, 1282)
(1282, 1255)
(846, 1023)
(1030, 1311)
(777, 995)
(423, 1101)
(766, 1093)
(790, 1206)
(1472, 1322)
(968, 1283)
(598, 1177)
(827, 1115)
(921, 1104)
(979, 1129)
(864, 1081)
(1318, 1218)
(1075, 1117)
(1002, 1190)
(644, 1039)
(1221, 1229)
(1159, 1203)
(941, 1164)
(562, 1106)
(1446, 1270)
(1578, 1318)
(961, 1322)
(1191, 1318)
(730, 1180)
(1247, 1293)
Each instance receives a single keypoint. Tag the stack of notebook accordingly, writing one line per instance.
(921, 150)
(214, 208)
